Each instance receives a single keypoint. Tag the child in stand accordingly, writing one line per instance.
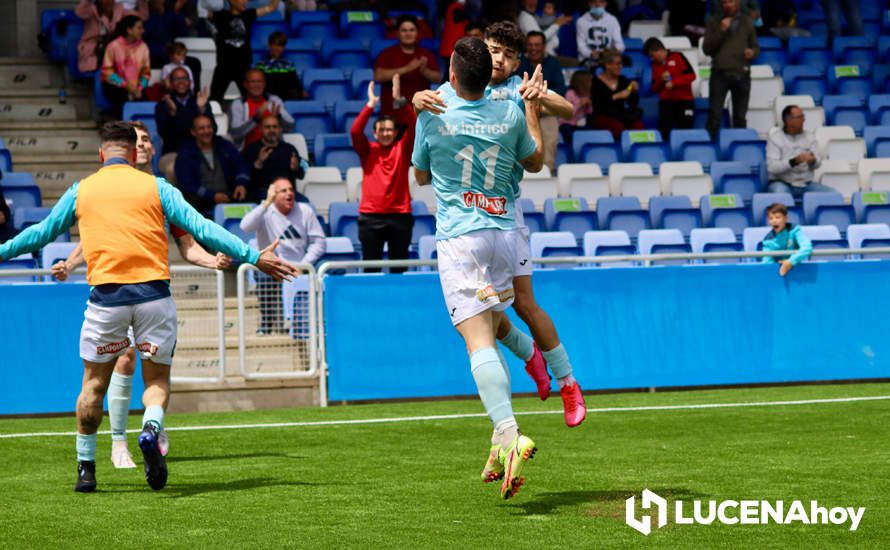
(177, 52)
(578, 95)
(784, 236)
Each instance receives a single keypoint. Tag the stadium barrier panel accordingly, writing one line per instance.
(202, 329)
(277, 328)
(668, 326)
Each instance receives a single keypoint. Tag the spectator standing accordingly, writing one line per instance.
(246, 114)
(176, 52)
(209, 170)
(300, 240)
(100, 18)
(597, 31)
(672, 78)
(547, 24)
(126, 67)
(578, 95)
(454, 26)
(731, 41)
(271, 158)
(417, 67)
(475, 29)
(850, 8)
(162, 27)
(281, 74)
(174, 115)
(785, 236)
(615, 99)
(792, 156)
(233, 55)
(385, 208)
(536, 54)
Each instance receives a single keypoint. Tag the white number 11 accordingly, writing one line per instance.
(490, 156)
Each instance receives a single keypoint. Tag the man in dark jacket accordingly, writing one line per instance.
(7, 231)
(270, 159)
(731, 41)
(174, 115)
(209, 170)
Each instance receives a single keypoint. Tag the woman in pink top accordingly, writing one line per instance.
(126, 67)
(99, 19)
(578, 95)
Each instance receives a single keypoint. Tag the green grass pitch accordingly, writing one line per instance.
(415, 483)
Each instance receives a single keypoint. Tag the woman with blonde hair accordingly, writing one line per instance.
(614, 97)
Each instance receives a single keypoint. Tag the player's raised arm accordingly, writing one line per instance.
(63, 268)
(39, 235)
(194, 253)
(534, 161)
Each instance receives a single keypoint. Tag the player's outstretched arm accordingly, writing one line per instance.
(63, 268)
(535, 161)
(195, 254)
(423, 177)
(428, 100)
(556, 105)
(39, 235)
(275, 267)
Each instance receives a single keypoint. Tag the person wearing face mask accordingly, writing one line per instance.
(597, 31)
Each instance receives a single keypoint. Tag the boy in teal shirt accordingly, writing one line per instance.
(785, 236)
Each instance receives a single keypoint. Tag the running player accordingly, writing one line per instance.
(505, 42)
(121, 214)
(121, 386)
(468, 154)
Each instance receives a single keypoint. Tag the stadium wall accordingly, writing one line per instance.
(388, 336)
(40, 366)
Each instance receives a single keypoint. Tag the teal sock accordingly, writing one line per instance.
(86, 447)
(503, 361)
(155, 415)
(119, 391)
(492, 383)
(558, 361)
(520, 343)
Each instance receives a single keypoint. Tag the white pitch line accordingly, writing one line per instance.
(473, 415)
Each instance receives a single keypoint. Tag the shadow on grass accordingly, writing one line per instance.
(188, 489)
(202, 458)
(605, 502)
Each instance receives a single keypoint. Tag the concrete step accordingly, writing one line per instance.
(39, 110)
(31, 75)
(197, 361)
(44, 127)
(43, 142)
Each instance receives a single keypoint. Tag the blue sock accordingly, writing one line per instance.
(503, 363)
(520, 343)
(119, 391)
(492, 383)
(155, 415)
(86, 447)
(558, 361)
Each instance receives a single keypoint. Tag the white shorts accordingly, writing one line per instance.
(104, 334)
(524, 266)
(476, 271)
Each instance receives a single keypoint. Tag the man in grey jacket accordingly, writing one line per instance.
(792, 154)
(731, 41)
(246, 114)
(300, 240)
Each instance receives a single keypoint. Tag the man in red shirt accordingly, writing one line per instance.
(416, 66)
(385, 207)
(672, 78)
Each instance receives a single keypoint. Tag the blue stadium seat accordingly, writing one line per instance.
(310, 118)
(568, 45)
(744, 185)
(366, 32)
(20, 189)
(23, 216)
(814, 86)
(816, 57)
(791, 73)
(346, 54)
(424, 224)
(879, 107)
(761, 201)
(774, 58)
(663, 241)
(875, 136)
(728, 136)
(551, 244)
(608, 243)
(554, 206)
(231, 211)
(797, 44)
(102, 102)
(345, 113)
(360, 79)
(259, 33)
(871, 207)
(883, 50)
(343, 218)
(25, 261)
(644, 146)
(595, 146)
(827, 208)
(234, 227)
(5, 160)
(300, 18)
(139, 110)
(318, 32)
(327, 85)
(339, 249)
(674, 213)
(73, 32)
(571, 215)
(880, 78)
(302, 53)
(679, 138)
(843, 47)
(335, 150)
(850, 80)
(378, 46)
(622, 213)
(715, 239)
(869, 236)
(719, 170)
(725, 211)
(54, 252)
(855, 117)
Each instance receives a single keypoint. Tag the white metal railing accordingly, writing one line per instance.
(204, 290)
(300, 352)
